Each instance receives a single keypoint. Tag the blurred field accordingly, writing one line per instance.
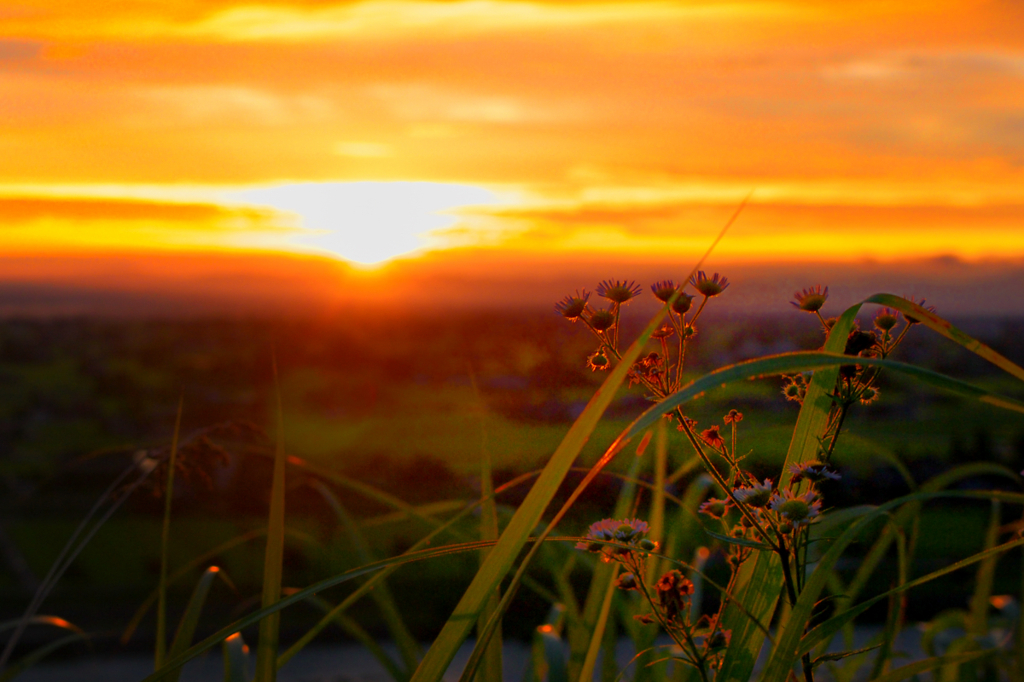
(390, 401)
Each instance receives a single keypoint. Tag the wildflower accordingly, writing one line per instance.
(709, 286)
(572, 307)
(712, 437)
(627, 581)
(885, 320)
(663, 332)
(618, 292)
(628, 529)
(682, 305)
(815, 472)
(756, 495)
(602, 320)
(733, 417)
(810, 300)
(714, 508)
(648, 545)
(598, 361)
(610, 530)
(663, 290)
(674, 592)
(797, 509)
(913, 320)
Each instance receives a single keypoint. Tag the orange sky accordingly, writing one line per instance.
(371, 129)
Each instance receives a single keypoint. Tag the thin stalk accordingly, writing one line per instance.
(165, 535)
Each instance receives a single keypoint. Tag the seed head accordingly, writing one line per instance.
(663, 332)
(682, 305)
(810, 300)
(572, 307)
(598, 361)
(868, 395)
(858, 342)
(618, 291)
(664, 289)
(602, 320)
(627, 581)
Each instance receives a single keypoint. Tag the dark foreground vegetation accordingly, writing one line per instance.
(406, 405)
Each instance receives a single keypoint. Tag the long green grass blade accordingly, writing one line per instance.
(358, 633)
(205, 558)
(257, 616)
(945, 328)
(512, 540)
(236, 659)
(266, 647)
(54, 621)
(190, 619)
(586, 638)
(789, 643)
(491, 666)
(165, 535)
(39, 654)
(905, 516)
(363, 589)
(917, 667)
(408, 648)
(759, 583)
(985, 577)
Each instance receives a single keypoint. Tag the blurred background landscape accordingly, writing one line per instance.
(387, 197)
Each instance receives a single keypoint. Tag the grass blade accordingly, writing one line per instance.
(165, 535)
(945, 328)
(512, 540)
(912, 669)
(356, 631)
(266, 647)
(190, 619)
(408, 648)
(257, 616)
(792, 640)
(585, 640)
(491, 666)
(236, 659)
(759, 585)
(39, 654)
(978, 620)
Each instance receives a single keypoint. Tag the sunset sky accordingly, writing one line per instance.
(362, 131)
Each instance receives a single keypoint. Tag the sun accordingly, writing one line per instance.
(369, 222)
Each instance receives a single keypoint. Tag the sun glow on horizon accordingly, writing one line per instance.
(368, 223)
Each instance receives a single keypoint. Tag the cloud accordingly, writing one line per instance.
(203, 103)
(19, 50)
(188, 216)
